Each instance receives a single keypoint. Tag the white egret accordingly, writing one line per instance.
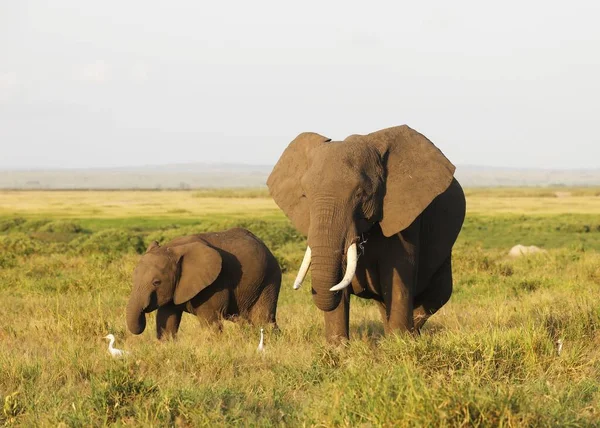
(116, 353)
(261, 344)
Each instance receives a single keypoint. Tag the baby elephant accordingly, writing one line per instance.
(211, 275)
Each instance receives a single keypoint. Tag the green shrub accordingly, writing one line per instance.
(10, 224)
(7, 260)
(273, 234)
(20, 244)
(110, 241)
(62, 226)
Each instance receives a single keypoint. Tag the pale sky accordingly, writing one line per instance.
(123, 83)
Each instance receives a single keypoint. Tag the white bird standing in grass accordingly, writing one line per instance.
(116, 353)
(261, 344)
(559, 345)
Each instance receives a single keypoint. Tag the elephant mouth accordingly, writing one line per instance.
(152, 304)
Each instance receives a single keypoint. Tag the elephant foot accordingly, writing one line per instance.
(337, 341)
(337, 321)
(419, 319)
(165, 336)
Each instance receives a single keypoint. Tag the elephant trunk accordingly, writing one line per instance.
(330, 233)
(136, 318)
(325, 270)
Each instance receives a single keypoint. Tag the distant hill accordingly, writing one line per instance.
(176, 176)
(198, 175)
(482, 176)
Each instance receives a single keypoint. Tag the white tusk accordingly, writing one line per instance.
(303, 269)
(352, 257)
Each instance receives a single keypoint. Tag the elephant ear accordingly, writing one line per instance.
(284, 181)
(417, 172)
(152, 246)
(199, 266)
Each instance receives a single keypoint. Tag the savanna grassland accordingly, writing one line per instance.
(487, 358)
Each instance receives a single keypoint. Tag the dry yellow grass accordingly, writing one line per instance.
(103, 204)
(110, 204)
(480, 204)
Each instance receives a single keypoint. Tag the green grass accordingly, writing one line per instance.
(487, 358)
(544, 230)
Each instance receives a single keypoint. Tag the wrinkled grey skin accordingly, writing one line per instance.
(393, 189)
(211, 275)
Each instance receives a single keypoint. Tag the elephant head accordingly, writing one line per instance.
(335, 191)
(170, 274)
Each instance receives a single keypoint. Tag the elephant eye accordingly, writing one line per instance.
(156, 282)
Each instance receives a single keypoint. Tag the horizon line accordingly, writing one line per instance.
(256, 165)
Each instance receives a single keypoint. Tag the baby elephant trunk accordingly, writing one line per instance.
(136, 318)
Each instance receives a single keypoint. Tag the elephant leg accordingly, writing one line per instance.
(337, 321)
(264, 310)
(435, 295)
(397, 309)
(384, 317)
(398, 277)
(168, 318)
(211, 306)
(208, 317)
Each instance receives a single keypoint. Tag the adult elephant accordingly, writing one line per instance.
(387, 208)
